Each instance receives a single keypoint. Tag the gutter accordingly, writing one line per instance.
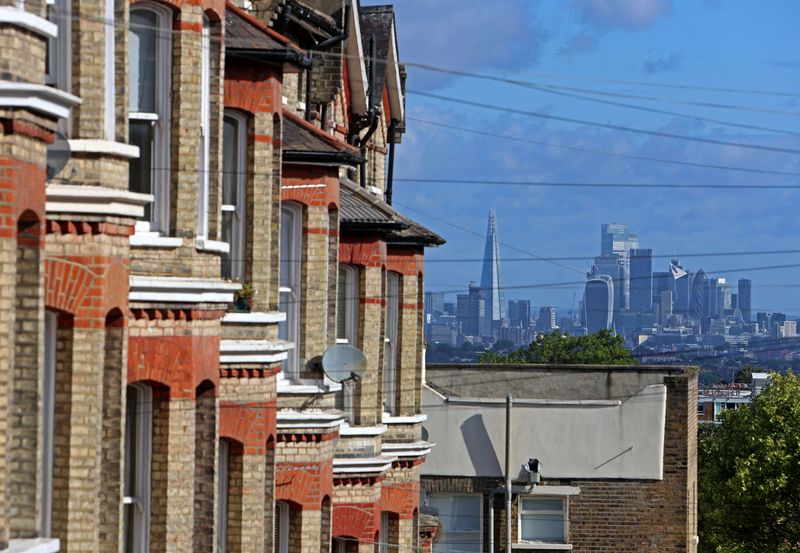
(338, 158)
(271, 56)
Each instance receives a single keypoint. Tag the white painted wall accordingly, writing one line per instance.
(621, 439)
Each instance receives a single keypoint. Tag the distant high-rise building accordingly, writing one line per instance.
(698, 290)
(681, 279)
(662, 280)
(617, 239)
(598, 302)
(471, 310)
(490, 280)
(519, 313)
(665, 306)
(745, 285)
(547, 319)
(434, 302)
(641, 263)
(613, 265)
(724, 294)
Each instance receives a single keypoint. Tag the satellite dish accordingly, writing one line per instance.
(57, 155)
(343, 362)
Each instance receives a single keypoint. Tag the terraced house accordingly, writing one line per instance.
(196, 205)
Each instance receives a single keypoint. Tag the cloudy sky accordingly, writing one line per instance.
(745, 51)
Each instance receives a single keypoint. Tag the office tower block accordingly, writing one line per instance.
(698, 291)
(745, 286)
(490, 280)
(711, 299)
(617, 239)
(681, 280)
(662, 280)
(613, 265)
(434, 302)
(547, 319)
(734, 301)
(666, 306)
(641, 283)
(724, 294)
(519, 313)
(598, 302)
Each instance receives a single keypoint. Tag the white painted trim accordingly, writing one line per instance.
(95, 200)
(253, 358)
(35, 545)
(291, 419)
(253, 351)
(374, 190)
(362, 465)
(154, 240)
(295, 186)
(407, 450)
(206, 245)
(395, 89)
(181, 290)
(25, 19)
(535, 546)
(356, 56)
(97, 146)
(348, 430)
(409, 419)
(288, 388)
(37, 97)
(554, 490)
(254, 318)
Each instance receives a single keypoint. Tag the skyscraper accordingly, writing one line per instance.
(745, 286)
(681, 279)
(519, 313)
(617, 239)
(698, 291)
(598, 302)
(547, 319)
(490, 280)
(641, 299)
(612, 265)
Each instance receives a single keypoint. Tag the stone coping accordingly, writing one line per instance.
(362, 465)
(37, 97)
(33, 545)
(181, 290)
(406, 419)
(347, 430)
(20, 17)
(291, 419)
(254, 318)
(95, 200)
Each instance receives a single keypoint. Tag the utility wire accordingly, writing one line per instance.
(604, 152)
(560, 184)
(572, 120)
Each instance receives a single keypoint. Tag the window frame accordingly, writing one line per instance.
(445, 528)
(48, 421)
(391, 330)
(223, 478)
(109, 64)
(564, 513)
(140, 501)
(160, 120)
(383, 547)
(235, 259)
(289, 329)
(204, 181)
(282, 527)
(350, 276)
(58, 71)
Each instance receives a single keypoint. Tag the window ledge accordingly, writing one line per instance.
(347, 430)
(36, 545)
(95, 200)
(29, 21)
(254, 318)
(204, 244)
(96, 146)
(154, 240)
(539, 546)
(37, 97)
(410, 419)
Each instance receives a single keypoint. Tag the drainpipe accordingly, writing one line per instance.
(509, 402)
(372, 114)
(491, 517)
(390, 171)
(308, 86)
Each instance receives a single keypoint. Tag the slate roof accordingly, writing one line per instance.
(245, 32)
(300, 136)
(377, 21)
(359, 208)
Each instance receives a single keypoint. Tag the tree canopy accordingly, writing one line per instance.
(749, 474)
(600, 348)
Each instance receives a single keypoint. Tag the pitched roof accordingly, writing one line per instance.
(301, 140)
(245, 32)
(359, 208)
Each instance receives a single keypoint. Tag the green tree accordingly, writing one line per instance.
(600, 348)
(749, 475)
(744, 375)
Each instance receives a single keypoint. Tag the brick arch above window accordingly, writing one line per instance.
(217, 7)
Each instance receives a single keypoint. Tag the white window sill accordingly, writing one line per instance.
(538, 545)
(35, 545)
(254, 317)
(203, 244)
(154, 240)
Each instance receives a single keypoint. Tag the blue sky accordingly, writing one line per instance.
(717, 43)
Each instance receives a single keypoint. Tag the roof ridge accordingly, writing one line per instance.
(319, 132)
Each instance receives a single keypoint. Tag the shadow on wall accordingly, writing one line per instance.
(479, 447)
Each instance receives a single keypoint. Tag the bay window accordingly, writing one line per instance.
(234, 182)
(150, 67)
(390, 343)
(543, 519)
(461, 519)
(138, 455)
(290, 275)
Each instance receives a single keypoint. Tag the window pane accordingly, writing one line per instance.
(141, 169)
(230, 182)
(287, 246)
(467, 513)
(342, 305)
(542, 504)
(143, 60)
(542, 527)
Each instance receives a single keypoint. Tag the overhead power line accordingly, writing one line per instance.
(560, 184)
(622, 128)
(604, 152)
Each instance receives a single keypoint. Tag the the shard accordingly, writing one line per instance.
(491, 285)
